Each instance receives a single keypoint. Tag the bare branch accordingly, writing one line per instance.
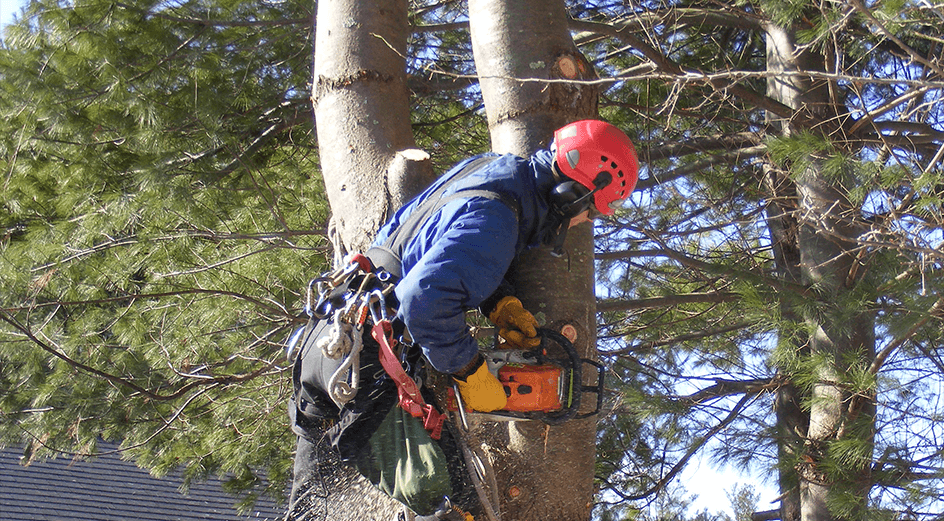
(650, 345)
(695, 447)
(673, 300)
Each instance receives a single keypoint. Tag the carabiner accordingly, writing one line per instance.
(378, 306)
(309, 293)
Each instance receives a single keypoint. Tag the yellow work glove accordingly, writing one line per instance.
(481, 391)
(515, 324)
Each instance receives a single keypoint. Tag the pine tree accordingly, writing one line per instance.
(161, 212)
(781, 252)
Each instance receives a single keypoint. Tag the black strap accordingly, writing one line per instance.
(389, 255)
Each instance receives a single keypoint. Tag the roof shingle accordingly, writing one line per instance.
(108, 488)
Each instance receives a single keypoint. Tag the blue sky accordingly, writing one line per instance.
(8, 8)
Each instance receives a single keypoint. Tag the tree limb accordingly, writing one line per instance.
(123, 382)
(668, 66)
(691, 262)
(680, 464)
(647, 346)
(672, 300)
(727, 142)
(722, 388)
(767, 515)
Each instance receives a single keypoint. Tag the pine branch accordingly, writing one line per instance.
(694, 448)
(722, 388)
(218, 23)
(650, 345)
(691, 262)
(144, 296)
(914, 55)
(718, 297)
(5, 316)
(746, 141)
(265, 237)
(657, 178)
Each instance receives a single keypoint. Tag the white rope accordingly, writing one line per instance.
(339, 341)
(342, 386)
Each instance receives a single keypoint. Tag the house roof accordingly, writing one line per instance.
(107, 488)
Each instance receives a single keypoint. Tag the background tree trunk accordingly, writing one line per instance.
(837, 341)
(543, 472)
(792, 420)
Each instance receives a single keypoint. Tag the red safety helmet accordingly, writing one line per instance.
(600, 157)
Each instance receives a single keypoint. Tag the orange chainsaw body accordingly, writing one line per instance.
(532, 388)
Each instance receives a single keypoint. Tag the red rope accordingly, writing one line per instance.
(410, 398)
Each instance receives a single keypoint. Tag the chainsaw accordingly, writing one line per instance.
(538, 386)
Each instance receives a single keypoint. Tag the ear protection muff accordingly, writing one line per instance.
(569, 199)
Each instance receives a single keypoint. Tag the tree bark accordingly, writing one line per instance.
(543, 472)
(362, 112)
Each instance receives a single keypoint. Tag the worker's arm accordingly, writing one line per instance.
(474, 246)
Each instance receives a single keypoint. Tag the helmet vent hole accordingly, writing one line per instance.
(613, 165)
(619, 174)
(603, 159)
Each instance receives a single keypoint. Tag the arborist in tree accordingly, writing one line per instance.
(445, 252)
(488, 210)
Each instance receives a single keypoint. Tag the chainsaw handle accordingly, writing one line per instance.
(575, 384)
(577, 388)
(597, 389)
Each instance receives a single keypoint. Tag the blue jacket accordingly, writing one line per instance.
(460, 255)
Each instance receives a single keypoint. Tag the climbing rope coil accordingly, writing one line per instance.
(343, 342)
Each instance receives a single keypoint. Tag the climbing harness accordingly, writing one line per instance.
(349, 297)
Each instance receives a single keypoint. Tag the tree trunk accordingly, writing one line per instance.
(826, 225)
(543, 472)
(368, 160)
(362, 113)
(792, 420)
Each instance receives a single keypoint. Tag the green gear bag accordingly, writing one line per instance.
(404, 462)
